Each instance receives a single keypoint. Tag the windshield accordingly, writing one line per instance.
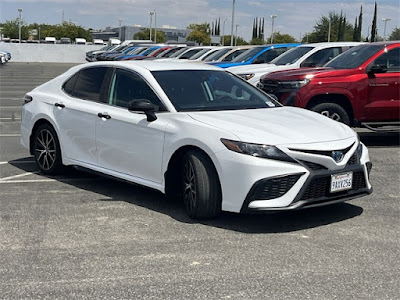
(354, 57)
(217, 54)
(199, 54)
(169, 52)
(179, 52)
(190, 53)
(245, 56)
(202, 90)
(291, 56)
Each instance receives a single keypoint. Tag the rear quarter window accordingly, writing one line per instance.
(86, 84)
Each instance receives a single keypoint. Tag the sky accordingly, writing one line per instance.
(293, 17)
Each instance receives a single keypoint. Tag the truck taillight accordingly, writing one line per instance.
(27, 99)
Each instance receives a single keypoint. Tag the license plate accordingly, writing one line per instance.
(341, 182)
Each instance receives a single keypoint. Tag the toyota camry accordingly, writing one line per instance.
(193, 132)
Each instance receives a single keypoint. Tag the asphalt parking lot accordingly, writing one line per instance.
(79, 236)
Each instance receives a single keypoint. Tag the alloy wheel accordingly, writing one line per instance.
(45, 150)
(189, 186)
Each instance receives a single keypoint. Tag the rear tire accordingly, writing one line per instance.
(47, 150)
(201, 189)
(333, 111)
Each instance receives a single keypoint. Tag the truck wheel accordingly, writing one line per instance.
(200, 186)
(333, 111)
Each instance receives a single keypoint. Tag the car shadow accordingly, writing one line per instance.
(380, 139)
(111, 190)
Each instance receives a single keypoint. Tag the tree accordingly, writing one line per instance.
(144, 34)
(373, 28)
(359, 27)
(395, 35)
(67, 29)
(355, 33)
(240, 41)
(257, 41)
(280, 38)
(321, 29)
(200, 33)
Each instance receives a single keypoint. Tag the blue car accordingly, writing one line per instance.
(257, 55)
(128, 57)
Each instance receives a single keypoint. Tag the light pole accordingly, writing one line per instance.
(155, 27)
(223, 33)
(19, 25)
(1, 34)
(120, 35)
(151, 21)
(233, 20)
(272, 30)
(384, 30)
(237, 25)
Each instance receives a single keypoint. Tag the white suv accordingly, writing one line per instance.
(308, 55)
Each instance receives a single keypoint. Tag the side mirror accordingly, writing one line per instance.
(376, 69)
(145, 106)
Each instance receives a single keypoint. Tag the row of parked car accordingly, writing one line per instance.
(351, 82)
(5, 56)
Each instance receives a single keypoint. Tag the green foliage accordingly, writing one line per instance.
(257, 41)
(338, 22)
(258, 29)
(199, 37)
(281, 38)
(144, 34)
(204, 27)
(373, 28)
(240, 41)
(395, 35)
(200, 33)
(67, 29)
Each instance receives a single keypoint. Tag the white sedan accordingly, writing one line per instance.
(196, 132)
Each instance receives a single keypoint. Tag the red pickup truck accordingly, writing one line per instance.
(359, 87)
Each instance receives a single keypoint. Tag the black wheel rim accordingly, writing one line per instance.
(332, 115)
(45, 150)
(189, 187)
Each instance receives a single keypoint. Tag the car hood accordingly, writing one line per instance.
(298, 74)
(247, 69)
(276, 126)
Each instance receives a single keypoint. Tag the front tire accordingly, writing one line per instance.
(47, 150)
(200, 186)
(333, 111)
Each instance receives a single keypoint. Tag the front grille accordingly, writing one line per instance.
(319, 187)
(325, 153)
(274, 187)
(353, 160)
(313, 166)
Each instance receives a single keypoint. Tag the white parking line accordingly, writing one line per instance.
(47, 180)
(17, 176)
(17, 162)
(12, 119)
(27, 181)
(10, 135)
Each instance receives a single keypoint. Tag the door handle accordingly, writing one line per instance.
(59, 105)
(105, 116)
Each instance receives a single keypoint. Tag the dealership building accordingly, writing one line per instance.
(172, 34)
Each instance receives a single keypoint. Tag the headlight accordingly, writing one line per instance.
(247, 76)
(257, 150)
(297, 84)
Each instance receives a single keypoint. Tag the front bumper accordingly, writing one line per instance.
(250, 184)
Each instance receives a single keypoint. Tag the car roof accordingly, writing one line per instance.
(154, 65)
